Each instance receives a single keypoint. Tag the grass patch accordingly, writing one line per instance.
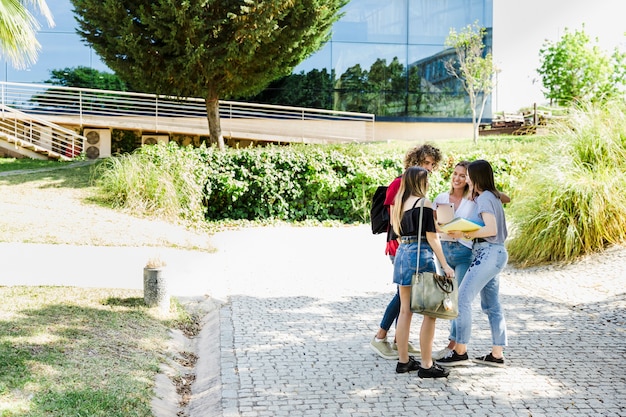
(79, 352)
(72, 177)
(14, 164)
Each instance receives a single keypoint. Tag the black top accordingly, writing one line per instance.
(410, 221)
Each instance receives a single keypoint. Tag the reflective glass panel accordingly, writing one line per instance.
(431, 21)
(373, 21)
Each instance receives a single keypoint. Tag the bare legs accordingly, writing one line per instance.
(427, 335)
(427, 332)
(404, 324)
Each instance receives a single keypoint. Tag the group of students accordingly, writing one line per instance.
(474, 258)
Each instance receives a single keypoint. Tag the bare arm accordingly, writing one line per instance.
(435, 244)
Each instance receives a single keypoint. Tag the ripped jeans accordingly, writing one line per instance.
(482, 278)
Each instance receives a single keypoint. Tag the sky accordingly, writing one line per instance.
(61, 47)
(520, 30)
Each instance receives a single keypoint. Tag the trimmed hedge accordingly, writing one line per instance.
(294, 183)
(288, 183)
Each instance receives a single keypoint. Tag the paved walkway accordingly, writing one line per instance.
(297, 307)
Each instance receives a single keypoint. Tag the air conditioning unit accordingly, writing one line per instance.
(97, 143)
(154, 139)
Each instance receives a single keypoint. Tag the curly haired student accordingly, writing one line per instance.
(428, 157)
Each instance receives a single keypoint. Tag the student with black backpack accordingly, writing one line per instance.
(428, 157)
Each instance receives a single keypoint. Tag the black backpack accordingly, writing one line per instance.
(379, 213)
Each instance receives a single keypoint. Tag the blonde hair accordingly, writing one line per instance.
(414, 183)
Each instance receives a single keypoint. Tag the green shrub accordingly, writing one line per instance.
(295, 183)
(573, 205)
(166, 181)
(288, 183)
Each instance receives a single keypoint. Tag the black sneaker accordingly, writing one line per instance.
(490, 360)
(411, 365)
(453, 359)
(434, 371)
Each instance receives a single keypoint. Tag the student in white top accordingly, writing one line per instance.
(458, 252)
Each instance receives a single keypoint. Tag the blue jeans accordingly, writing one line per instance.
(482, 277)
(391, 312)
(459, 258)
(393, 308)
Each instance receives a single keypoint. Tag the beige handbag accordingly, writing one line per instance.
(432, 294)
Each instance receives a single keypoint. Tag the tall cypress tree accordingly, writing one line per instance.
(216, 49)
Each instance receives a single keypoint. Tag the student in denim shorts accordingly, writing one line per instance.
(405, 217)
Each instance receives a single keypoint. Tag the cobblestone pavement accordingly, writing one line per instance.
(294, 310)
(300, 307)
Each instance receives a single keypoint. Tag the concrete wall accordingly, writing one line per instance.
(421, 131)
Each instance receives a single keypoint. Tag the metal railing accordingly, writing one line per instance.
(153, 113)
(38, 135)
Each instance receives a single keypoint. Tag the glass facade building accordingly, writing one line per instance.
(387, 58)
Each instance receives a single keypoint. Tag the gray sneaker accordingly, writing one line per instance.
(383, 348)
(412, 349)
(440, 354)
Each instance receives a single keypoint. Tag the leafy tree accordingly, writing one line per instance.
(85, 77)
(387, 84)
(18, 28)
(212, 48)
(350, 88)
(313, 89)
(574, 71)
(318, 89)
(473, 67)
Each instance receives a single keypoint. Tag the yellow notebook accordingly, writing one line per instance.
(460, 224)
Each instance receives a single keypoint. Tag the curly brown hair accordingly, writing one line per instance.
(417, 155)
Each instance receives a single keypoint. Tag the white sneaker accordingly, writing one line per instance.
(383, 348)
(440, 354)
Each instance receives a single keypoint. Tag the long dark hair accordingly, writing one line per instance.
(481, 175)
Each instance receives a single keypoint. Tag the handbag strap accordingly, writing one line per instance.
(445, 287)
(419, 235)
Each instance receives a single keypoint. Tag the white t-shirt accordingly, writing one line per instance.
(466, 209)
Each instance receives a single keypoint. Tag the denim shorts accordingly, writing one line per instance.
(406, 261)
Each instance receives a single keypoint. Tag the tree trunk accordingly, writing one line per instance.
(475, 125)
(480, 117)
(213, 115)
